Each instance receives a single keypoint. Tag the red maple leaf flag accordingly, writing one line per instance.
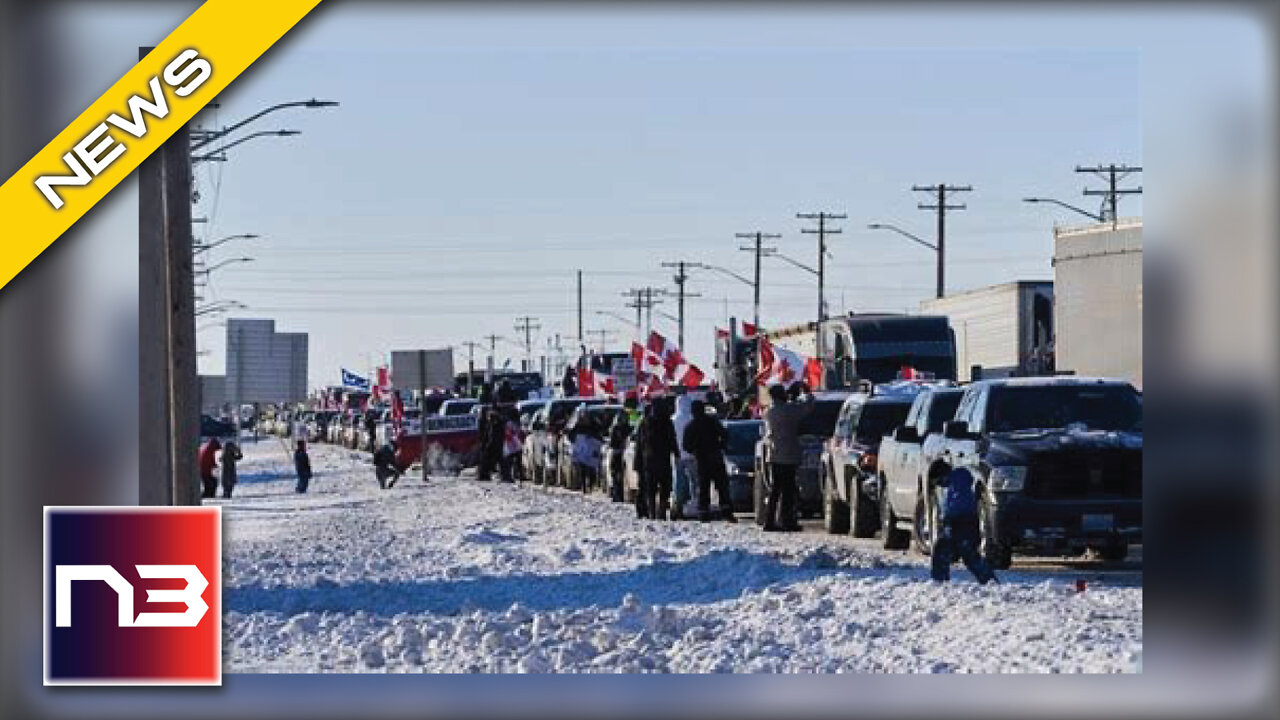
(749, 330)
(586, 382)
(721, 333)
(692, 376)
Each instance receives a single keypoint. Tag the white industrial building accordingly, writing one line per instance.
(1098, 299)
(1004, 329)
(264, 366)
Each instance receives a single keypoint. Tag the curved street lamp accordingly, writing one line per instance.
(217, 153)
(210, 136)
(201, 247)
(224, 263)
(1069, 206)
(797, 263)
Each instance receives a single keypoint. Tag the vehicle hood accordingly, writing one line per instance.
(1024, 443)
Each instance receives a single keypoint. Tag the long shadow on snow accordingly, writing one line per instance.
(719, 575)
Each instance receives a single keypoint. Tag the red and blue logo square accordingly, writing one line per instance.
(133, 596)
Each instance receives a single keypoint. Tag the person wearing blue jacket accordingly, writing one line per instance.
(959, 534)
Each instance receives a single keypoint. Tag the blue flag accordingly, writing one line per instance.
(352, 380)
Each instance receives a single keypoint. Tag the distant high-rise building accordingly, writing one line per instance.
(264, 366)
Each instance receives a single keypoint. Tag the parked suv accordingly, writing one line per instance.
(849, 479)
(1057, 464)
(904, 458)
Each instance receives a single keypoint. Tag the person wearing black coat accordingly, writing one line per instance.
(661, 452)
(384, 466)
(302, 463)
(705, 438)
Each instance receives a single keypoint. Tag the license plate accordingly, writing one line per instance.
(1097, 522)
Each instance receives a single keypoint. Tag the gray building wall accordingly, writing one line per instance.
(213, 393)
(264, 366)
(1098, 300)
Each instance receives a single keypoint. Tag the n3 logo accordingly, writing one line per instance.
(160, 621)
(64, 575)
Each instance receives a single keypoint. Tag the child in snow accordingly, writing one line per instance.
(302, 463)
(511, 446)
(959, 535)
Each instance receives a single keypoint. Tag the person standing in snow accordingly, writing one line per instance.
(511, 444)
(782, 438)
(384, 465)
(642, 478)
(302, 463)
(208, 460)
(569, 385)
(230, 455)
(619, 434)
(705, 438)
(959, 535)
(686, 469)
(371, 428)
(661, 451)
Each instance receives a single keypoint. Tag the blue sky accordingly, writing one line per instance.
(480, 157)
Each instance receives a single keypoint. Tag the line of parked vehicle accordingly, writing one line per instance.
(1057, 461)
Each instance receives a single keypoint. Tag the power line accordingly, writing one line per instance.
(643, 301)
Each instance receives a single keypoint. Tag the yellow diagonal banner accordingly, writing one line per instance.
(133, 119)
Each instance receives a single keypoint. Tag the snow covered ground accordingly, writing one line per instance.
(460, 576)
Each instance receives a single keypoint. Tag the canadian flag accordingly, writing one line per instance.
(721, 333)
(749, 330)
(603, 384)
(646, 361)
(691, 376)
(668, 351)
(650, 386)
(779, 365)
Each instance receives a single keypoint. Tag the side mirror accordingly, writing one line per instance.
(956, 430)
(906, 433)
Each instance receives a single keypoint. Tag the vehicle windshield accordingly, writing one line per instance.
(1108, 407)
(822, 421)
(942, 408)
(879, 418)
(742, 438)
(459, 407)
(561, 411)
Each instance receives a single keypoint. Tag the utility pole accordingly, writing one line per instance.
(527, 325)
(940, 205)
(579, 303)
(680, 278)
(604, 336)
(493, 356)
(1112, 174)
(760, 251)
(471, 364)
(643, 300)
(822, 231)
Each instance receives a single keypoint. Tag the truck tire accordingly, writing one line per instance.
(998, 554)
(891, 537)
(922, 527)
(865, 520)
(835, 512)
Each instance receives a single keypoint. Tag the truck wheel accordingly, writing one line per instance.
(865, 522)
(891, 537)
(835, 512)
(922, 529)
(998, 554)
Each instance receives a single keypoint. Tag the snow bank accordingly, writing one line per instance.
(459, 576)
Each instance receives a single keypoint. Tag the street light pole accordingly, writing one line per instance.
(915, 239)
(1092, 216)
(216, 153)
(214, 135)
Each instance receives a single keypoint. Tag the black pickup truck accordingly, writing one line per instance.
(1057, 463)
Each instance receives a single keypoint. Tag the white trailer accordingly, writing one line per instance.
(1004, 329)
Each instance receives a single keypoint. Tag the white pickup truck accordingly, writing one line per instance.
(905, 454)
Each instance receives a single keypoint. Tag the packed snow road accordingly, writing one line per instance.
(460, 576)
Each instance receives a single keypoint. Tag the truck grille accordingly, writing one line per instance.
(1107, 473)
